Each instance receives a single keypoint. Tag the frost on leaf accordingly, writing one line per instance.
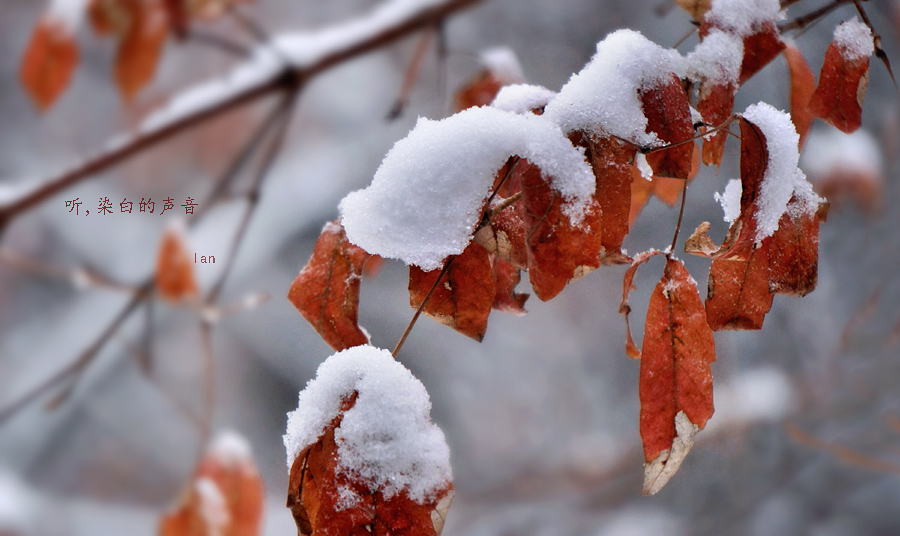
(558, 251)
(365, 457)
(174, 266)
(668, 113)
(140, 47)
(612, 162)
(845, 77)
(49, 61)
(675, 378)
(803, 85)
(226, 495)
(426, 198)
(754, 22)
(326, 292)
(463, 297)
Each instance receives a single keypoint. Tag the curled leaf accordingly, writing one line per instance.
(326, 291)
(612, 162)
(803, 85)
(668, 113)
(174, 267)
(49, 61)
(141, 47)
(842, 87)
(700, 243)
(631, 348)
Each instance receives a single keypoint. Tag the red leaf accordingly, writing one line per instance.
(480, 91)
(738, 295)
(794, 253)
(631, 349)
(558, 252)
(803, 85)
(111, 17)
(675, 380)
(668, 113)
(665, 189)
(612, 162)
(842, 87)
(504, 236)
(462, 299)
(759, 49)
(226, 496)
(506, 299)
(315, 497)
(49, 62)
(174, 269)
(326, 292)
(715, 102)
(140, 49)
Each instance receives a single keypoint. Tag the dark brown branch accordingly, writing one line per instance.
(422, 305)
(285, 77)
(801, 22)
(680, 218)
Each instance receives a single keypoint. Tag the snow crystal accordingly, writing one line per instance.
(742, 15)
(230, 448)
(644, 166)
(303, 49)
(603, 97)
(696, 117)
(783, 178)
(387, 438)
(717, 58)
(424, 201)
(522, 98)
(731, 200)
(213, 507)
(503, 63)
(832, 151)
(68, 14)
(854, 39)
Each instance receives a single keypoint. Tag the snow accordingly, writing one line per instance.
(643, 166)
(231, 449)
(303, 49)
(854, 40)
(386, 439)
(522, 98)
(716, 59)
(213, 507)
(783, 178)
(68, 14)
(730, 200)
(603, 97)
(742, 16)
(18, 507)
(503, 63)
(760, 395)
(425, 199)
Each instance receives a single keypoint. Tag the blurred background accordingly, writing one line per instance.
(542, 416)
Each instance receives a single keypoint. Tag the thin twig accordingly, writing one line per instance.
(78, 277)
(680, 217)
(801, 22)
(879, 50)
(651, 150)
(249, 25)
(219, 43)
(411, 75)
(840, 452)
(422, 305)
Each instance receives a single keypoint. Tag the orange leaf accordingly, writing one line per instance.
(675, 380)
(759, 49)
(696, 8)
(794, 253)
(226, 496)
(111, 17)
(715, 102)
(506, 299)
(462, 299)
(631, 349)
(668, 113)
(326, 292)
(504, 236)
(803, 85)
(174, 269)
(558, 252)
(612, 162)
(842, 87)
(141, 47)
(738, 296)
(49, 62)
(480, 91)
(665, 189)
(317, 488)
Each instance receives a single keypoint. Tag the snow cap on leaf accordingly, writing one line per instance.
(854, 39)
(426, 197)
(741, 16)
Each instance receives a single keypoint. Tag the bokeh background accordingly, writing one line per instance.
(542, 416)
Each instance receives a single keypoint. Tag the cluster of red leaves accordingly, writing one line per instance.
(140, 26)
(225, 498)
(523, 227)
(317, 497)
